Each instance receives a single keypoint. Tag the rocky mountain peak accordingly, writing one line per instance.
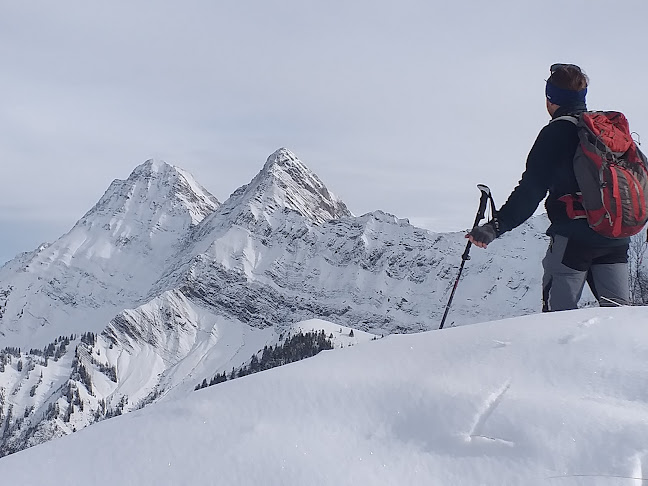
(155, 187)
(152, 166)
(286, 182)
(282, 158)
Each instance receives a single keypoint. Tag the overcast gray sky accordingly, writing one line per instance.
(400, 105)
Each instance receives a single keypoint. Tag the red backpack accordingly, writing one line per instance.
(611, 174)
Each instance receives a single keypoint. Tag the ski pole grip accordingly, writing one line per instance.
(481, 213)
(483, 202)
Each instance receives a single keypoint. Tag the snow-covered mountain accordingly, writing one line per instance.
(284, 183)
(159, 287)
(549, 399)
(107, 262)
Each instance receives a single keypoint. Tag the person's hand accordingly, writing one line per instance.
(482, 236)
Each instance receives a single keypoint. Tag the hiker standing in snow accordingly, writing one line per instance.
(576, 252)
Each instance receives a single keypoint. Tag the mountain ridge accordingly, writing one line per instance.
(155, 317)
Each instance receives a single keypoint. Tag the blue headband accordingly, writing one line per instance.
(564, 97)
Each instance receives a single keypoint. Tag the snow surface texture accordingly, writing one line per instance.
(550, 399)
(176, 288)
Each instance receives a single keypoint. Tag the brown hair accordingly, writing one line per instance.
(569, 77)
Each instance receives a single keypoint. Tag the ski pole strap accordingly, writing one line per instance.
(495, 220)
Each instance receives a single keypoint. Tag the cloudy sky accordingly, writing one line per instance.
(400, 105)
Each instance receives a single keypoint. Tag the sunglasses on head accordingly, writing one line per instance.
(555, 67)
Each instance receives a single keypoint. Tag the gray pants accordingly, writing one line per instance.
(568, 265)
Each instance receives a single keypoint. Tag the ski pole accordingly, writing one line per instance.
(483, 201)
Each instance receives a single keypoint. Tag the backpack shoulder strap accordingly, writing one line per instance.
(570, 118)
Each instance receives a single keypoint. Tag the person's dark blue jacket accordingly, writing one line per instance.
(549, 169)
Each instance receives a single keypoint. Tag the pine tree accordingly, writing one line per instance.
(254, 364)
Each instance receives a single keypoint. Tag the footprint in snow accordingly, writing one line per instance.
(574, 337)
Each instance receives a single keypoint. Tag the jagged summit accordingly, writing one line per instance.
(152, 166)
(283, 157)
(161, 187)
(285, 182)
(150, 212)
(153, 169)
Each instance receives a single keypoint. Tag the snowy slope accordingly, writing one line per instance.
(159, 351)
(540, 400)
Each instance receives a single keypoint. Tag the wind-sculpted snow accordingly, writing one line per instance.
(543, 400)
(176, 288)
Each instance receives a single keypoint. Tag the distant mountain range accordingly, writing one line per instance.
(160, 286)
